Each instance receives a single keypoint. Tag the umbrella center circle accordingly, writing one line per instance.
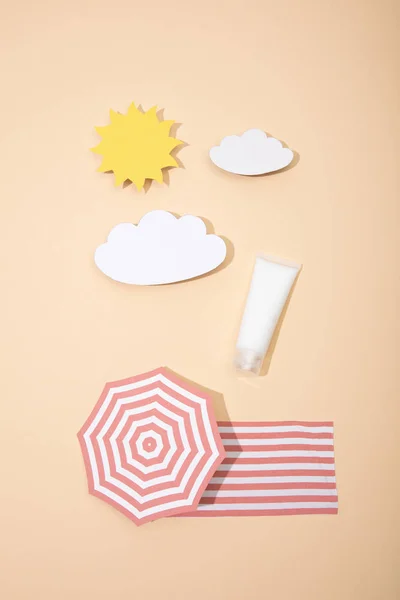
(149, 445)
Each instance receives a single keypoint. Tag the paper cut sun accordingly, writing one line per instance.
(136, 146)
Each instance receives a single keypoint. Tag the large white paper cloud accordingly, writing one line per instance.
(160, 249)
(253, 153)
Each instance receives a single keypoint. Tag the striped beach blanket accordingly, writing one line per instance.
(273, 468)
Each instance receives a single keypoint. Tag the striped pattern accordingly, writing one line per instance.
(151, 445)
(279, 468)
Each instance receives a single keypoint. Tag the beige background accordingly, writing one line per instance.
(321, 76)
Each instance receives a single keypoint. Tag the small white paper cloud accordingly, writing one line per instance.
(253, 153)
(160, 249)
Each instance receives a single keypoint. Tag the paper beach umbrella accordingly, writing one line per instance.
(151, 445)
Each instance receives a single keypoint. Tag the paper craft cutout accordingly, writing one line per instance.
(278, 468)
(150, 445)
(253, 153)
(160, 249)
(136, 146)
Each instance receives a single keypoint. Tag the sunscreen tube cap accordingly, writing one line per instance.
(248, 361)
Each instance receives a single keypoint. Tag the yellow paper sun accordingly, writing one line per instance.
(136, 146)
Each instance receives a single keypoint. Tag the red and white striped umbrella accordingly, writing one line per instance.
(151, 445)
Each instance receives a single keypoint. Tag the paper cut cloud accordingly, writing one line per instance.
(253, 153)
(160, 249)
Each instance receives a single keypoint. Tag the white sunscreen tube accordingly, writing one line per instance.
(270, 286)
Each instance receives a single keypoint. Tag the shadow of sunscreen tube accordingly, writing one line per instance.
(270, 286)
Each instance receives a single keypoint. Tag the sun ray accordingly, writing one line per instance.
(156, 175)
(151, 115)
(97, 149)
(173, 143)
(114, 116)
(139, 183)
(119, 178)
(104, 167)
(136, 146)
(132, 108)
(171, 162)
(166, 126)
(103, 131)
